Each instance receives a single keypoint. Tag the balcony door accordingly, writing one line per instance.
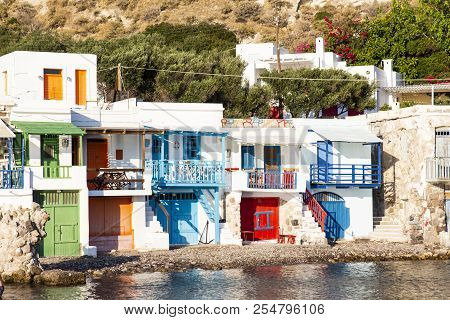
(97, 156)
(272, 167)
(50, 155)
(324, 159)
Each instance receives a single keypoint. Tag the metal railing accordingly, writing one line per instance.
(186, 172)
(11, 179)
(346, 174)
(437, 169)
(56, 172)
(272, 180)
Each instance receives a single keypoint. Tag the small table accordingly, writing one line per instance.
(114, 178)
(245, 234)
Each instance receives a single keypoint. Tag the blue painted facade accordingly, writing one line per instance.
(324, 173)
(191, 175)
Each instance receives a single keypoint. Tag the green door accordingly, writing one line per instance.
(63, 228)
(50, 155)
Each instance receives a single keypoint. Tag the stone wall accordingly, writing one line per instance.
(290, 213)
(21, 229)
(233, 212)
(408, 139)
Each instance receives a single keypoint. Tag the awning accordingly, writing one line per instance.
(5, 132)
(48, 128)
(356, 134)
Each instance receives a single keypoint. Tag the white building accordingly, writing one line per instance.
(262, 56)
(38, 90)
(280, 170)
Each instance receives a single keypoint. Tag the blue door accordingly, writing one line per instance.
(324, 159)
(338, 215)
(183, 210)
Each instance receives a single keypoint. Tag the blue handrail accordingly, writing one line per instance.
(186, 171)
(346, 174)
(11, 178)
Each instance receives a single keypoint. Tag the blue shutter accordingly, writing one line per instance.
(248, 157)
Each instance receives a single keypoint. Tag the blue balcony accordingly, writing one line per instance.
(272, 180)
(186, 173)
(11, 179)
(345, 175)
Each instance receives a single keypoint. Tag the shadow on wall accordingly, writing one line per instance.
(384, 197)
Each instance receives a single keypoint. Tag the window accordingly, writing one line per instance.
(442, 142)
(53, 88)
(119, 154)
(191, 147)
(80, 87)
(248, 157)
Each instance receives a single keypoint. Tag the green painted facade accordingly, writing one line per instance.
(63, 228)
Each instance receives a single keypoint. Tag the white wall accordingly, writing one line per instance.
(359, 201)
(26, 83)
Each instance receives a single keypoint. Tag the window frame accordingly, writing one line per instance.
(244, 164)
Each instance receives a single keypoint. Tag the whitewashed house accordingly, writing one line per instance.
(262, 56)
(300, 180)
(161, 165)
(39, 89)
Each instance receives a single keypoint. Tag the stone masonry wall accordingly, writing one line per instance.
(233, 212)
(20, 231)
(408, 139)
(290, 210)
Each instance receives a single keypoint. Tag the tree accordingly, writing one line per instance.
(303, 97)
(407, 35)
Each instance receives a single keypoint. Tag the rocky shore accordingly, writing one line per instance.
(211, 257)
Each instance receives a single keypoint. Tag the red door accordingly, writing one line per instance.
(260, 216)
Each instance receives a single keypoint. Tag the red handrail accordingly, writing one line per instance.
(318, 212)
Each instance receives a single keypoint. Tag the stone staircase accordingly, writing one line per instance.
(309, 232)
(386, 229)
(226, 236)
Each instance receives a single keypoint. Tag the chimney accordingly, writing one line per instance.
(320, 51)
(387, 68)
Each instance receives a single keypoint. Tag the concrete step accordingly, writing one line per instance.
(389, 227)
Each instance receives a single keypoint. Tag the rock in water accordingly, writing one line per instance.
(21, 229)
(60, 278)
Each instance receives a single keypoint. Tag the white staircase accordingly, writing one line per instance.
(386, 229)
(153, 235)
(309, 232)
(226, 236)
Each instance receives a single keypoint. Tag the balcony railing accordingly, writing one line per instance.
(186, 172)
(11, 179)
(346, 175)
(272, 180)
(117, 179)
(57, 172)
(437, 169)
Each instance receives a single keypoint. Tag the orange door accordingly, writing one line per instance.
(53, 84)
(97, 157)
(80, 87)
(110, 225)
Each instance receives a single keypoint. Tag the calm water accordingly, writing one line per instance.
(380, 280)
